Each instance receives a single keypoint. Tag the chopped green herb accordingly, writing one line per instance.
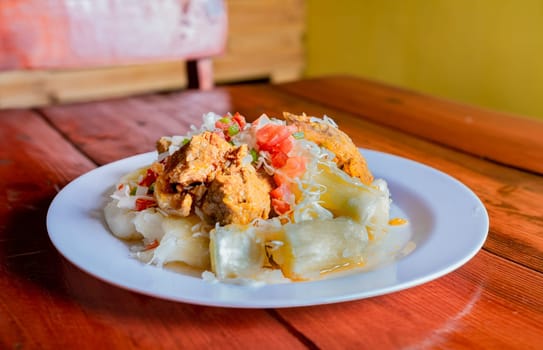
(133, 190)
(151, 188)
(185, 141)
(254, 154)
(298, 135)
(233, 129)
(225, 120)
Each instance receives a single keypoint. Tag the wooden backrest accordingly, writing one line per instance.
(63, 34)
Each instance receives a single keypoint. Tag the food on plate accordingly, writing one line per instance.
(274, 200)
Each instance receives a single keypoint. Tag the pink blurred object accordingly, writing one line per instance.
(48, 34)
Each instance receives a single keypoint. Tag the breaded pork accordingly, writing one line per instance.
(348, 157)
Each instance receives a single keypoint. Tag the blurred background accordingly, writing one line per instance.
(481, 52)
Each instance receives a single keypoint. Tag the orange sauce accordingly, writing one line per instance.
(397, 222)
(371, 236)
(342, 267)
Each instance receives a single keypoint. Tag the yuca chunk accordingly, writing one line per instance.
(312, 248)
(303, 251)
(365, 204)
(177, 241)
(348, 157)
(236, 251)
(120, 221)
(180, 244)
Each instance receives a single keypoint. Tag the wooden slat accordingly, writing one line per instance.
(259, 65)
(248, 14)
(266, 41)
(84, 85)
(277, 39)
(40, 88)
(48, 303)
(23, 88)
(504, 138)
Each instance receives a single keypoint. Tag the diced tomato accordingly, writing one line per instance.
(151, 245)
(222, 123)
(280, 196)
(149, 178)
(281, 191)
(275, 138)
(144, 203)
(278, 141)
(293, 167)
(238, 118)
(280, 206)
(270, 136)
(279, 159)
(231, 125)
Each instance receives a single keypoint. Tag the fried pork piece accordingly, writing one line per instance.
(183, 181)
(209, 173)
(162, 145)
(348, 158)
(198, 161)
(239, 194)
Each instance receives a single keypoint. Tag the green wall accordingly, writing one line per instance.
(483, 52)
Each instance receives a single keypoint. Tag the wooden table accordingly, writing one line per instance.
(494, 301)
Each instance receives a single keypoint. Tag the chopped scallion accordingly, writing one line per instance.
(254, 154)
(298, 135)
(233, 129)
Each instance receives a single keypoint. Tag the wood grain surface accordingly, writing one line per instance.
(493, 301)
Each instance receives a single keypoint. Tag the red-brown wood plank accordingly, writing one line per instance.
(465, 309)
(46, 302)
(118, 128)
(504, 138)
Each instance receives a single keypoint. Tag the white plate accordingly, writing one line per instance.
(448, 224)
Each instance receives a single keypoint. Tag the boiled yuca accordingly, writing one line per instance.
(237, 252)
(312, 248)
(301, 251)
(121, 221)
(179, 242)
